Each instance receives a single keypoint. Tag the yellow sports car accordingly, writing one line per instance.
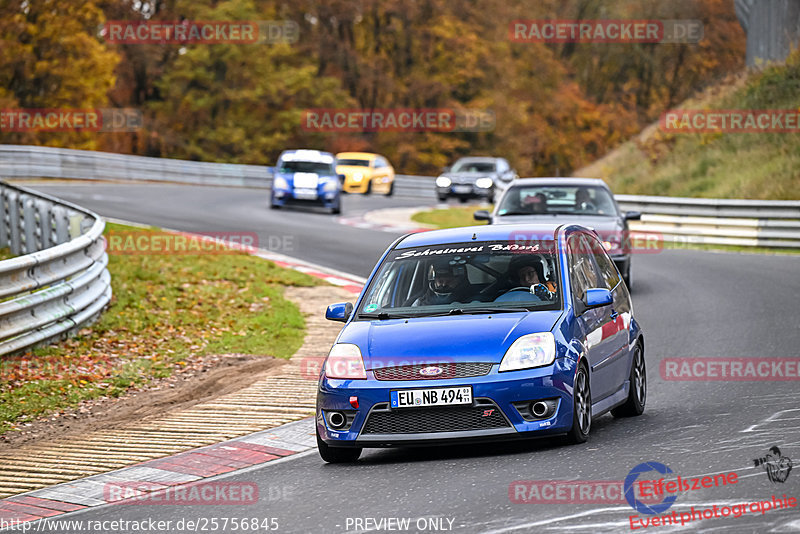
(364, 172)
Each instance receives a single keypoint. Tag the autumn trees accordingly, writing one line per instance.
(557, 106)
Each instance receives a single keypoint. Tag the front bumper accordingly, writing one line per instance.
(287, 197)
(464, 191)
(493, 394)
(352, 186)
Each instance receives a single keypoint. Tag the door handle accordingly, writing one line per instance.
(614, 314)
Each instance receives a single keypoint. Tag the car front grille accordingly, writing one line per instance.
(449, 370)
(483, 415)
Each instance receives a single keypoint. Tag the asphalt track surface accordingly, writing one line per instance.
(690, 304)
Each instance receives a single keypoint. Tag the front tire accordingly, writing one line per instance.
(337, 455)
(627, 276)
(390, 192)
(637, 396)
(581, 408)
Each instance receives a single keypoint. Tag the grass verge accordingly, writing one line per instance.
(449, 217)
(715, 165)
(167, 312)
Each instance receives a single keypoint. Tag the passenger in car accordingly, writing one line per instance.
(528, 271)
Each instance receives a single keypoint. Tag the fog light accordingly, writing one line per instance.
(539, 408)
(336, 419)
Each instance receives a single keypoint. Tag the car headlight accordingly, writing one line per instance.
(330, 185)
(443, 181)
(532, 350)
(484, 183)
(345, 361)
(280, 183)
(611, 244)
(358, 176)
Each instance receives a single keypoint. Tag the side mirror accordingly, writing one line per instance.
(339, 312)
(482, 215)
(341, 177)
(596, 297)
(633, 215)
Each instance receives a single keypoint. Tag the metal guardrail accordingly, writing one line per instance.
(762, 223)
(27, 161)
(58, 281)
(687, 220)
(24, 161)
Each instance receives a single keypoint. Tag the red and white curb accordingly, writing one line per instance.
(153, 476)
(393, 220)
(346, 281)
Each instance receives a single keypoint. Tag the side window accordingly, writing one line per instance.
(379, 163)
(608, 272)
(583, 271)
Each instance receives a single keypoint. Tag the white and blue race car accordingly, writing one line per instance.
(306, 177)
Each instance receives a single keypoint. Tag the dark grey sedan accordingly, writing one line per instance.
(585, 201)
(474, 177)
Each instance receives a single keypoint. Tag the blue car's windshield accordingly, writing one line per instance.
(306, 166)
(463, 278)
(557, 199)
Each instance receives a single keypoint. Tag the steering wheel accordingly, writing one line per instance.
(520, 288)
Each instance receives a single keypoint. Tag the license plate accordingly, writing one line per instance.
(306, 194)
(462, 189)
(410, 398)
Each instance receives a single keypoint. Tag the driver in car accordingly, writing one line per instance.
(447, 283)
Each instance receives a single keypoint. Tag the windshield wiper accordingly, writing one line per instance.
(383, 315)
(473, 311)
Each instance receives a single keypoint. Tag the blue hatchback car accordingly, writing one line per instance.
(481, 333)
(306, 177)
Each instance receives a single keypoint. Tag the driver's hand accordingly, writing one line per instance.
(541, 291)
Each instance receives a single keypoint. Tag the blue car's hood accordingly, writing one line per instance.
(473, 338)
(290, 175)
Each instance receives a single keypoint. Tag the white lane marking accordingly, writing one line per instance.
(770, 419)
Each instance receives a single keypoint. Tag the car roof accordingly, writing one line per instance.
(491, 232)
(303, 154)
(560, 181)
(361, 155)
(478, 159)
